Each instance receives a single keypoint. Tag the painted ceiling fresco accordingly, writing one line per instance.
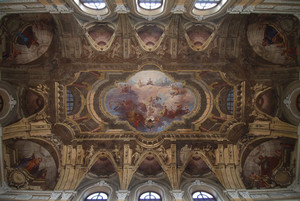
(112, 102)
(150, 101)
(272, 40)
(31, 164)
(30, 39)
(270, 164)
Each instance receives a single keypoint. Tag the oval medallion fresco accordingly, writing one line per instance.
(32, 41)
(150, 101)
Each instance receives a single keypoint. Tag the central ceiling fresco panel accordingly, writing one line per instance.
(150, 101)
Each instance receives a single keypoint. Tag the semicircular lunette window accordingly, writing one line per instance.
(150, 4)
(1, 103)
(203, 196)
(298, 102)
(94, 4)
(70, 102)
(150, 101)
(150, 196)
(206, 4)
(97, 196)
(230, 101)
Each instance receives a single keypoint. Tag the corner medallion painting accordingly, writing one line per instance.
(270, 165)
(150, 101)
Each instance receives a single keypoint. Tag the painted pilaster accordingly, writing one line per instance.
(295, 186)
(4, 187)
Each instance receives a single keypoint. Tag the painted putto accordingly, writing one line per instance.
(150, 101)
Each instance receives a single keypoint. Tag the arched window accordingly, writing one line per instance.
(298, 102)
(150, 196)
(97, 196)
(94, 4)
(206, 4)
(150, 4)
(70, 102)
(1, 103)
(202, 196)
(230, 101)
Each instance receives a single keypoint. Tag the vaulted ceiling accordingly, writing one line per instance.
(125, 96)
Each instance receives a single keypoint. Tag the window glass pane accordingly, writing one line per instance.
(298, 102)
(196, 194)
(155, 195)
(70, 102)
(202, 196)
(150, 196)
(1, 103)
(230, 101)
(206, 4)
(150, 4)
(94, 4)
(97, 196)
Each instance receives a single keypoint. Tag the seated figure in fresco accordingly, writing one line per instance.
(27, 37)
(271, 36)
(267, 164)
(32, 165)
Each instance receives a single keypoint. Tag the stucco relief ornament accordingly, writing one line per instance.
(178, 9)
(66, 195)
(121, 9)
(12, 102)
(233, 194)
(17, 179)
(287, 101)
(55, 195)
(90, 155)
(41, 116)
(137, 154)
(122, 194)
(245, 194)
(162, 153)
(178, 194)
(209, 152)
(116, 154)
(198, 182)
(184, 152)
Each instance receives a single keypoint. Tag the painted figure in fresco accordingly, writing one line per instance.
(137, 153)
(271, 36)
(32, 165)
(184, 152)
(149, 103)
(27, 37)
(116, 153)
(150, 82)
(267, 164)
(90, 154)
(162, 153)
